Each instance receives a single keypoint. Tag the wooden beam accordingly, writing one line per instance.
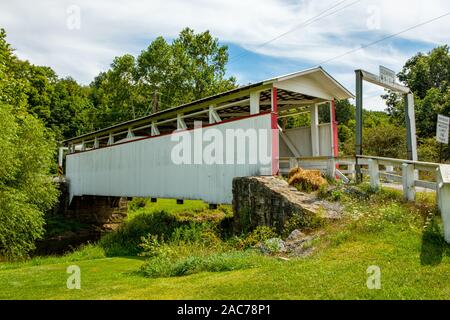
(96, 143)
(154, 129)
(315, 147)
(130, 133)
(181, 125)
(172, 113)
(409, 191)
(254, 102)
(372, 78)
(213, 115)
(289, 143)
(110, 139)
(293, 102)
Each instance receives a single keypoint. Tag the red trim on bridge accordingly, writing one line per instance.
(334, 127)
(275, 134)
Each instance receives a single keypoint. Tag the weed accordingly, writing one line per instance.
(260, 234)
(125, 240)
(57, 225)
(137, 203)
(218, 262)
(306, 180)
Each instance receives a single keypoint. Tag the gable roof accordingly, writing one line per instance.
(318, 74)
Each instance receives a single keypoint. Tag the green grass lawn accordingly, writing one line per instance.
(381, 231)
(172, 206)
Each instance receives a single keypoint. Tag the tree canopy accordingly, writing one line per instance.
(164, 75)
(428, 77)
(37, 108)
(27, 148)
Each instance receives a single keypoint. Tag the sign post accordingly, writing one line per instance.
(387, 76)
(442, 129)
(386, 79)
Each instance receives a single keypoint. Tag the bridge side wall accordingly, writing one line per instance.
(145, 168)
(301, 138)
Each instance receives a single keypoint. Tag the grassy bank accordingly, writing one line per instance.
(402, 239)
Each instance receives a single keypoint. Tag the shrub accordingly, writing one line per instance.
(273, 245)
(137, 203)
(26, 188)
(151, 247)
(144, 231)
(195, 233)
(260, 234)
(429, 150)
(331, 194)
(385, 140)
(219, 262)
(86, 252)
(57, 225)
(126, 239)
(301, 222)
(306, 180)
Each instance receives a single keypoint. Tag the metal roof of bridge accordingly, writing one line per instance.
(323, 78)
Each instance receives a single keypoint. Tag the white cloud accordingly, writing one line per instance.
(38, 30)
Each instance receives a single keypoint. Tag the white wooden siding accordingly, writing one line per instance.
(144, 169)
(301, 138)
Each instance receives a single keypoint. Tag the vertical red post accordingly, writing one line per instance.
(334, 127)
(275, 134)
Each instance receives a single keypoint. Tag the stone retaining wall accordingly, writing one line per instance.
(270, 201)
(105, 213)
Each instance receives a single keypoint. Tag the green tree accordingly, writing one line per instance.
(190, 68)
(26, 189)
(423, 72)
(386, 140)
(428, 77)
(71, 109)
(345, 112)
(27, 149)
(62, 104)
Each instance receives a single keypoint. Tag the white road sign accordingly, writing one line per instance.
(442, 129)
(387, 75)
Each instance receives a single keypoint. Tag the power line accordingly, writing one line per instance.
(385, 38)
(306, 23)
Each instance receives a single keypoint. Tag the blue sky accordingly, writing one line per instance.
(80, 38)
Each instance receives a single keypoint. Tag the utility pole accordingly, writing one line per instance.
(133, 111)
(155, 102)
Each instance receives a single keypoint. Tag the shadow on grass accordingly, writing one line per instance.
(434, 247)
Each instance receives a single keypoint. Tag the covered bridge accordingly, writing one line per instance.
(193, 151)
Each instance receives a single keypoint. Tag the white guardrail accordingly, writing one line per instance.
(403, 172)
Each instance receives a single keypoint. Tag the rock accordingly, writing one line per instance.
(302, 252)
(356, 193)
(299, 244)
(284, 258)
(271, 246)
(270, 201)
(295, 235)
